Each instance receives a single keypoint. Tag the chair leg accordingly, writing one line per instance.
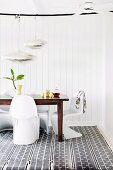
(67, 131)
(70, 133)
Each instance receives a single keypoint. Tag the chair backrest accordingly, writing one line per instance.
(73, 108)
(23, 107)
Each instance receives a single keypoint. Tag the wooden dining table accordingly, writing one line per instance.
(6, 100)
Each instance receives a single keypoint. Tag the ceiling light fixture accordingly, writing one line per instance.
(87, 8)
(36, 43)
(19, 56)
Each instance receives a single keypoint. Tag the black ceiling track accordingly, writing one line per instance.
(41, 15)
(91, 13)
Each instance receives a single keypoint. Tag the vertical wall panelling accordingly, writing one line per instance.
(71, 60)
(0, 58)
(103, 107)
(109, 78)
(51, 53)
(45, 26)
(3, 49)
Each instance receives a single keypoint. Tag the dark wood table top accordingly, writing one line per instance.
(6, 100)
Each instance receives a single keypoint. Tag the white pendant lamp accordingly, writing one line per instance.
(36, 43)
(19, 56)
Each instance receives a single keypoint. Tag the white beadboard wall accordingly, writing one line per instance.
(108, 118)
(71, 60)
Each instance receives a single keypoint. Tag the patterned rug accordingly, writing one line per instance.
(90, 152)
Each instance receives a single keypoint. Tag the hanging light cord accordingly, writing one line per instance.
(35, 28)
(18, 19)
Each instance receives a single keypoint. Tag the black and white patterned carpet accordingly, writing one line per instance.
(90, 152)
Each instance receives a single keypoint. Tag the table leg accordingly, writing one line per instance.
(60, 119)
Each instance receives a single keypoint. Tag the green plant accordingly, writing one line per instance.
(14, 78)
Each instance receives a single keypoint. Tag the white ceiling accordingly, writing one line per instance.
(48, 6)
(66, 6)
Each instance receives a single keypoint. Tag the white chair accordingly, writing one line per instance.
(26, 120)
(5, 120)
(72, 111)
(44, 117)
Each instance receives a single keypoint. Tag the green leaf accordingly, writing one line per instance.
(8, 78)
(12, 72)
(20, 77)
